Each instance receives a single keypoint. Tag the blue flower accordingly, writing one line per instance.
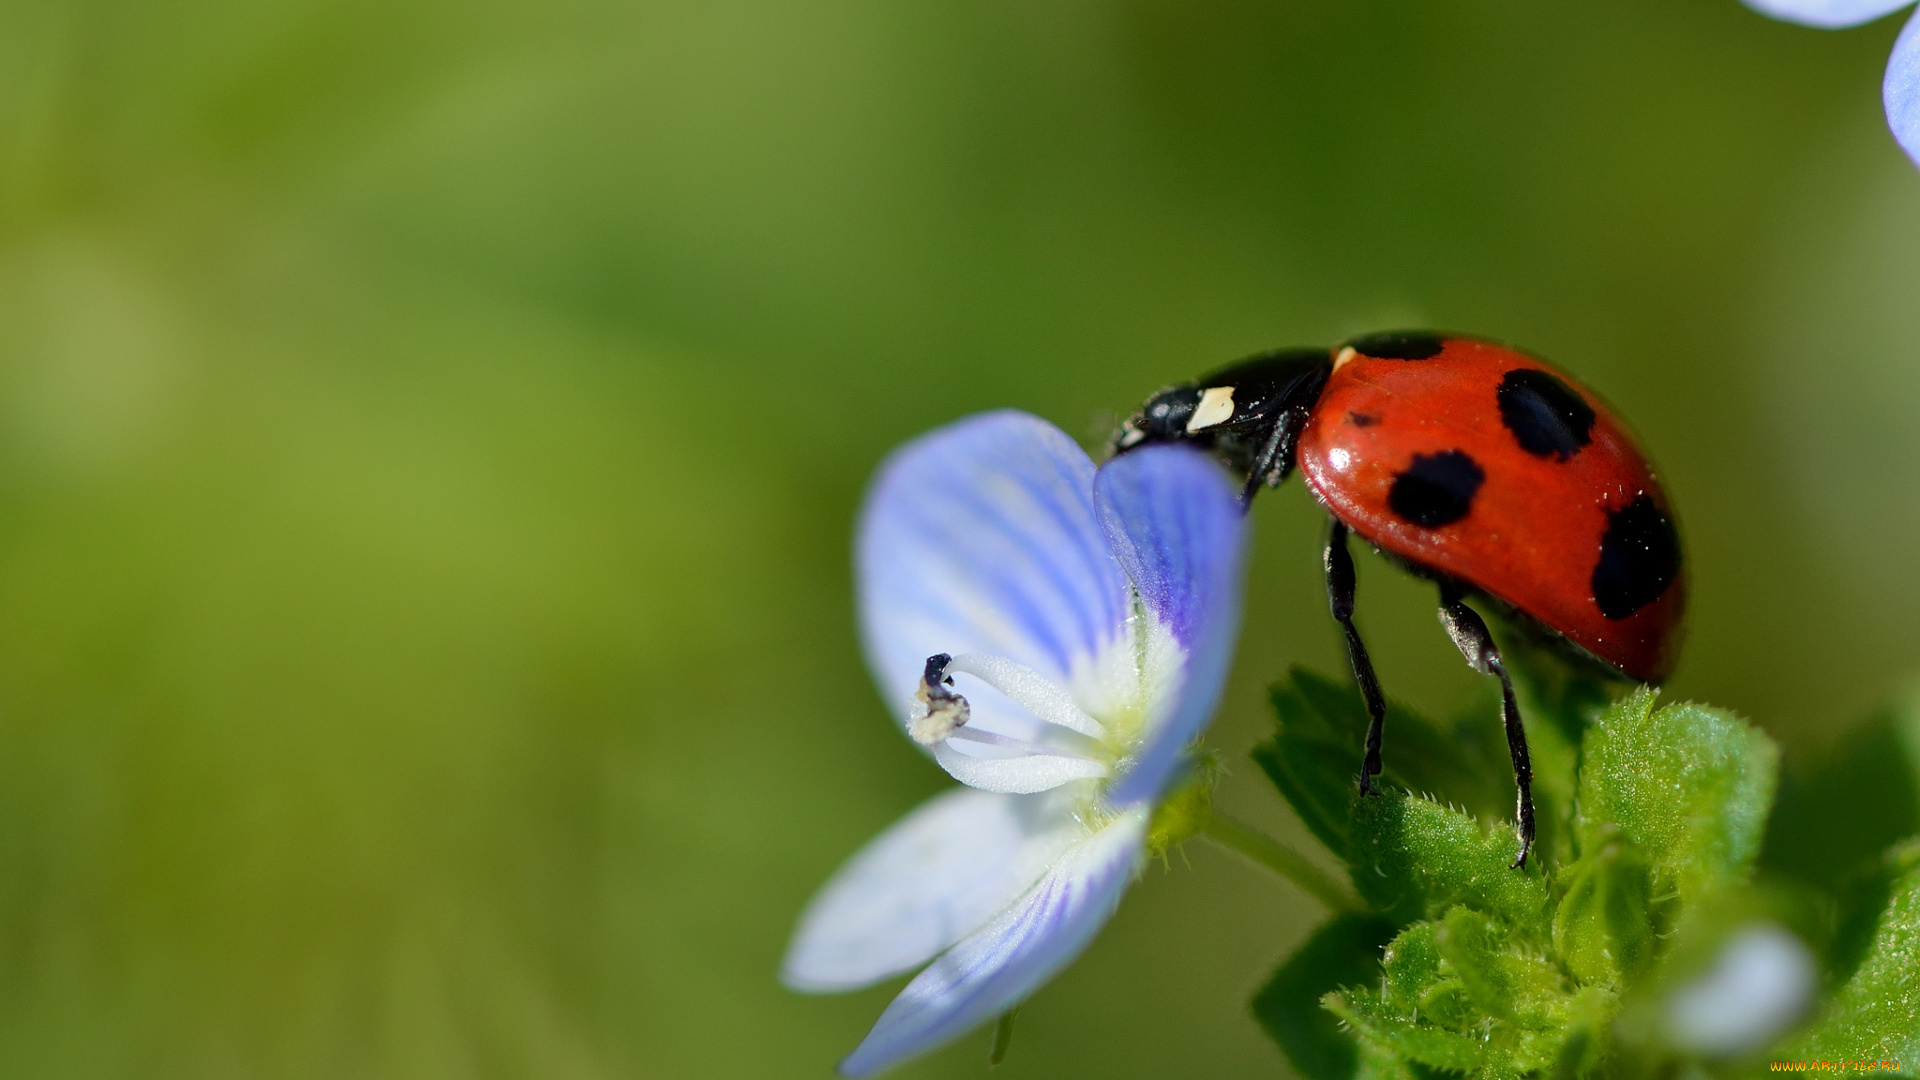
(1902, 88)
(1055, 636)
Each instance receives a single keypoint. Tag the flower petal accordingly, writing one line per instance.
(980, 537)
(1019, 774)
(931, 879)
(1007, 960)
(1176, 525)
(1902, 89)
(1827, 14)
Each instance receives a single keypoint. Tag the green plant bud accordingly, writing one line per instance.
(1411, 964)
(1602, 929)
(1503, 980)
(1449, 1004)
(1587, 1049)
(1184, 812)
(1472, 945)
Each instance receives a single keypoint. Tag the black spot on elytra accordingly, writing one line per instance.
(1639, 558)
(1360, 419)
(1437, 489)
(1548, 417)
(1399, 345)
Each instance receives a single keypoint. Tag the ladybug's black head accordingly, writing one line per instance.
(1239, 404)
(1164, 418)
(1247, 415)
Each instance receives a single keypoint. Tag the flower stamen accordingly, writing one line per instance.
(939, 714)
(945, 712)
(1031, 690)
(994, 738)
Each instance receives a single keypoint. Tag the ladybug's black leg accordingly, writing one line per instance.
(1340, 582)
(1469, 633)
(1262, 465)
(1275, 459)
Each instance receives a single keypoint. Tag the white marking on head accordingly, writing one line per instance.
(1346, 357)
(1216, 407)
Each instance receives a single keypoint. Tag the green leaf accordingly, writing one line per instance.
(1463, 763)
(1345, 952)
(1470, 945)
(1378, 1023)
(1876, 1015)
(1686, 785)
(1379, 1063)
(1860, 903)
(1603, 928)
(1519, 1001)
(1308, 775)
(1342, 710)
(1501, 979)
(1468, 994)
(1319, 738)
(1414, 859)
(1417, 984)
(1844, 809)
(1312, 759)
(1586, 1049)
(1499, 972)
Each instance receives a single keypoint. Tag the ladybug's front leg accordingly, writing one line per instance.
(1275, 458)
(1469, 633)
(1340, 582)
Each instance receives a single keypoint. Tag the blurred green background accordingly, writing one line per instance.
(430, 435)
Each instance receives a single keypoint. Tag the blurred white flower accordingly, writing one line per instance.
(1761, 983)
(1055, 635)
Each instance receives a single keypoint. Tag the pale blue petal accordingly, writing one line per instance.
(981, 537)
(1827, 14)
(1903, 89)
(1015, 773)
(1175, 522)
(934, 877)
(1007, 960)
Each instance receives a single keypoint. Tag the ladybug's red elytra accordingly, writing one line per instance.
(1473, 464)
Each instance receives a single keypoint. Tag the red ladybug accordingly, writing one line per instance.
(1472, 464)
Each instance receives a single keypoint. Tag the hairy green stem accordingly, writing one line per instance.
(1240, 837)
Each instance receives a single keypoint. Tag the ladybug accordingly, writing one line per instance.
(1472, 464)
